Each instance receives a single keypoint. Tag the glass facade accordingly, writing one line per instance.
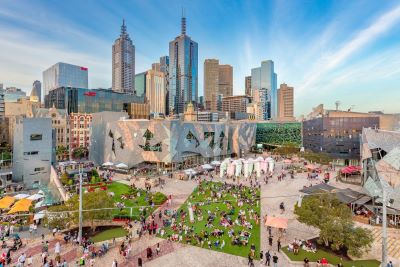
(64, 75)
(140, 84)
(264, 79)
(80, 100)
(183, 73)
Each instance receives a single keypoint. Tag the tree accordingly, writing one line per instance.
(80, 152)
(61, 152)
(334, 220)
(93, 201)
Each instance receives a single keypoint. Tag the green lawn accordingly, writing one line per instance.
(120, 189)
(109, 234)
(332, 259)
(200, 225)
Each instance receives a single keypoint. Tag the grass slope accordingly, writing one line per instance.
(109, 234)
(200, 225)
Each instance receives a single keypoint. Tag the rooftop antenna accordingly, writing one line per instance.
(183, 22)
(337, 104)
(123, 27)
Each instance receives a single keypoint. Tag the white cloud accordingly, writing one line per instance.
(364, 37)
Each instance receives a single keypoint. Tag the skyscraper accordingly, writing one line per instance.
(247, 85)
(264, 80)
(123, 63)
(64, 75)
(218, 80)
(140, 83)
(183, 71)
(36, 93)
(155, 91)
(225, 80)
(164, 68)
(211, 77)
(285, 102)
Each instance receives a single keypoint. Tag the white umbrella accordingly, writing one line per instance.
(190, 172)
(40, 192)
(215, 163)
(35, 197)
(207, 167)
(122, 166)
(21, 196)
(39, 215)
(39, 204)
(108, 163)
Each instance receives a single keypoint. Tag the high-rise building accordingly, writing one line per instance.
(236, 103)
(1, 86)
(64, 75)
(3, 122)
(264, 80)
(247, 85)
(183, 71)
(123, 63)
(164, 68)
(218, 80)
(156, 66)
(13, 94)
(140, 84)
(36, 93)
(155, 92)
(211, 77)
(225, 80)
(285, 102)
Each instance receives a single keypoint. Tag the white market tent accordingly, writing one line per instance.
(215, 163)
(190, 172)
(39, 204)
(108, 163)
(122, 166)
(207, 167)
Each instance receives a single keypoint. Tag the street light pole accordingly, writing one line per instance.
(80, 207)
(384, 227)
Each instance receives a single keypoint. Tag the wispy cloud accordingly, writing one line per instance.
(364, 37)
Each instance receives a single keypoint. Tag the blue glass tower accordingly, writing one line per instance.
(183, 71)
(264, 79)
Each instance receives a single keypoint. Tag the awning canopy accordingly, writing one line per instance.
(190, 172)
(6, 202)
(277, 222)
(108, 163)
(21, 206)
(362, 200)
(216, 163)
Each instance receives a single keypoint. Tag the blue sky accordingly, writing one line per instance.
(327, 50)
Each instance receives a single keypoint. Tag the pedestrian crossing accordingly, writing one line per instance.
(393, 244)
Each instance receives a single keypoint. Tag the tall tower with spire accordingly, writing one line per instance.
(183, 71)
(123, 63)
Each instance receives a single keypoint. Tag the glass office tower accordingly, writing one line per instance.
(64, 75)
(264, 79)
(183, 71)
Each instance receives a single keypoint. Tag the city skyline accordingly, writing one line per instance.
(325, 50)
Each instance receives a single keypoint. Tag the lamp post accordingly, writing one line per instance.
(80, 206)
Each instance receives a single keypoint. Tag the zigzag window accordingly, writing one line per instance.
(208, 135)
(190, 137)
(221, 140)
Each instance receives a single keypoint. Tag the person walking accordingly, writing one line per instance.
(279, 244)
(267, 258)
(275, 260)
(114, 263)
(139, 262)
(270, 240)
(158, 249)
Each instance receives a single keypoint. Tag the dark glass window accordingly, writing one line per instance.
(36, 137)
